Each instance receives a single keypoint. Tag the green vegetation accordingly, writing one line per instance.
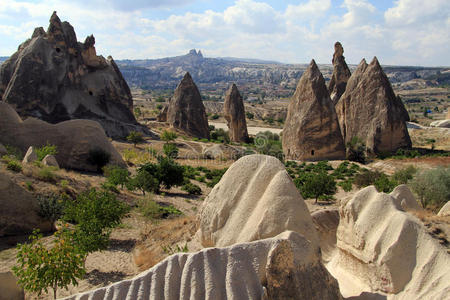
(152, 210)
(214, 117)
(15, 152)
(43, 151)
(432, 187)
(356, 150)
(46, 173)
(192, 189)
(177, 249)
(116, 175)
(39, 268)
(170, 150)
(269, 143)
(168, 136)
(14, 165)
(220, 136)
(135, 138)
(143, 181)
(51, 207)
(404, 175)
(249, 115)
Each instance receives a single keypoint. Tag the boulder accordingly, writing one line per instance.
(387, 250)
(405, 198)
(441, 124)
(326, 222)
(234, 113)
(369, 110)
(186, 111)
(445, 210)
(30, 156)
(340, 76)
(50, 160)
(19, 209)
(55, 78)
(74, 139)
(9, 288)
(249, 201)
(3, 150)
(287, 266)
(222, 151)
(311, 130)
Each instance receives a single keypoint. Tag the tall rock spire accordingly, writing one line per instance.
(341, 74)
(234, 113)
(311, 130)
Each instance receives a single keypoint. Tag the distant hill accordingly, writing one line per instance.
(3, 58)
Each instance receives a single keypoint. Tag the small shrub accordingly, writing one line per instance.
(384, 184)
(432, 187)
(46, 174)
(170, 150)
(404, 175)
(346, 185)
(14, 152)
(192, 189)
(51, 207)
(99, 158)
(366, 178)
(43, 151)
(14, 165)
(214, 117)
(144, 181)
(135, 138)
(116, 175)
(159, 106)
(356, 150)
(29, 185)
(177, 249)
(168, 136)
(249, 115)
(152, 210)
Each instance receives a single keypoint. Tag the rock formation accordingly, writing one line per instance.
(55, 78)
(30, 156)
(311, 130)
(162, 116)
(388, 250)
(74, 139)
(50, 160)
(284, 267)
(10, 288)
(445, 210)
(341, 74)
(326, 222)
(234, 113)
(405, 198)
(255, 199)
(369, 110)
(219, 151)
(3, 150)
(186, 111)
(441, 123)
(19, 209)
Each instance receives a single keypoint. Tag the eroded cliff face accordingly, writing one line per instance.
(55, 78)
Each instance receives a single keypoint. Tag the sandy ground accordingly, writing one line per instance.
(251, 130)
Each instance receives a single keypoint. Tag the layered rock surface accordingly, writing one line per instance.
(55, 78)
(284, 267)
(19, 210)
(234, 113)
(369, 110)
(340, 76)
(186, 111)
(74, 139)
(388, 250)
(255, 199)
(311, 130)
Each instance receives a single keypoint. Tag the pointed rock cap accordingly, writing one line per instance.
(233, 88)
(38, 31)
(187, 78)
(313, 70)
(338, 51)
(89, 41)
(55, 23)
(375, 62)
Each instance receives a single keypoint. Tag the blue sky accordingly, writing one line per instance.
(402, 32)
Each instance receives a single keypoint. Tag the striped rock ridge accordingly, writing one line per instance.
(287, 266)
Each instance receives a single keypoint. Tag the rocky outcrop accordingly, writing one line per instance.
(19, 213)
(255, 199)
(445, 210)
(234, 113)
(326, 222)
(3, 150)
(341, 74)
(369, 110)
(50, 161)
(405, 198)
(284, 267)
(30, 156)
(311, 130)
(441, 123)
(221, 151)
(55, 78)
(75, 139)
(186, 111)
(388, 250)
(162, 116)
(10, 289)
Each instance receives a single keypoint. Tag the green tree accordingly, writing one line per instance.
(168, 136)
(432, 186)
(116, 175)
(144, 181)
(135, 138)
(39, 268)
(318, 184)
(170, 150)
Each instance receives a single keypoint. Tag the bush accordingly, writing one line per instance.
(94, 213)
(192, 189)
(14, 165)
(43, 151)
(152, 210)
(432, 187)
(99, 158)
(135, 138)
(116, 175)
(346, 185)
(249, 115)
(220, 135)
(269, 143)
(168, 135)
(170, 150)
(46, 174)
(380, 180)
(318, 184)
(14, 152)
(39, 268)
(144, 181)
(356, 150)
(159, 106)
(404, 175)
(51, 207)
(214, 117)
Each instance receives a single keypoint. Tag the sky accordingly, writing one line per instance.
(402, 32)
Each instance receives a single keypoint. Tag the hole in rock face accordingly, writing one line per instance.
(91, 93)
(312, 152)
(58, 50)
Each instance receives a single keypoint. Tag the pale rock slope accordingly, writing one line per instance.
(284, 267)
(255, 199)
(383, 250)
